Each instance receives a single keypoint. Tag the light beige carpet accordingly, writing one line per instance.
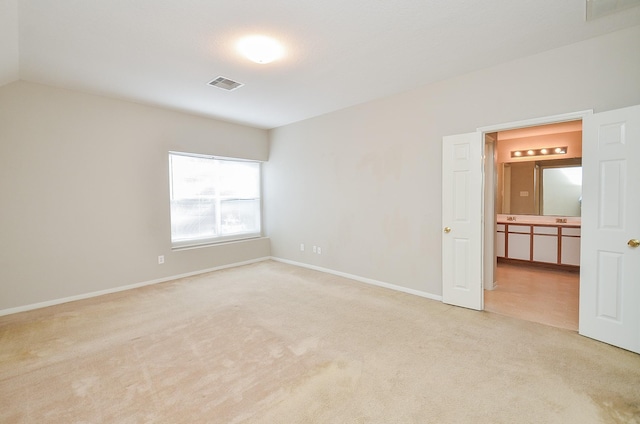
(274, 343)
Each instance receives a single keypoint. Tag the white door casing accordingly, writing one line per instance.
(489, 263)
(462, 203)
(610, 268)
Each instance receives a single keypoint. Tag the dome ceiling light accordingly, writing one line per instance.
(260, 49)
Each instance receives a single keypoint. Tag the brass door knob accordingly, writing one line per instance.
(633, 243)
(448, 230)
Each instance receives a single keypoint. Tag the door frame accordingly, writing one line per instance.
(489, 190)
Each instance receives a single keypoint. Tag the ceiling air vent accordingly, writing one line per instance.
(225, 83)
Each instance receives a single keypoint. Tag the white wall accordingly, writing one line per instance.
(85, 197)
(364, 183)
(9, 60)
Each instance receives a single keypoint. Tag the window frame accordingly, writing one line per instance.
(205, 241)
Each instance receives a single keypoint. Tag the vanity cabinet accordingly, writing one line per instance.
(519, 242)
(500, 240)
(570, 246)
(544, 244)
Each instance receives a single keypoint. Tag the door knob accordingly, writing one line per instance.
(633, 243)
(448, 230)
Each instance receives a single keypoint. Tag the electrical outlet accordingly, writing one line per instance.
(315, 249)
(302, 247)
(319, 251)
(160, 259)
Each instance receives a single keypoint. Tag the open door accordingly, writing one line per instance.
(610, 264)
(462, 196)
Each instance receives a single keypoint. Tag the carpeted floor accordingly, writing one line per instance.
(274, 343)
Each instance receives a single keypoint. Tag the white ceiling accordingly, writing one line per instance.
(339, 52)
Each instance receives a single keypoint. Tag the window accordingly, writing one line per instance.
(213, 200)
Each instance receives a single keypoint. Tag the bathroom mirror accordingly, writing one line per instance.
(549, 187)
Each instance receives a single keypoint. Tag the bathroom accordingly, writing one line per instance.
(538, 223)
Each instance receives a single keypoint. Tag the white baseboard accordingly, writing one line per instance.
(123, 288)
(203, 271)
(362, 279)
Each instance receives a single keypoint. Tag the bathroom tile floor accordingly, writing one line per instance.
(535, 294)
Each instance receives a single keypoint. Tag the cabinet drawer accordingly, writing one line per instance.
(570, 231)
(500, 227)
(546, 230)
(523, 229)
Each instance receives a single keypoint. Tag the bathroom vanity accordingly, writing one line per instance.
(545, 241)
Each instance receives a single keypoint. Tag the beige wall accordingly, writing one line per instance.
(364, 183)
(8, 41)
(523, 193)
(83, 179)
(84, 192)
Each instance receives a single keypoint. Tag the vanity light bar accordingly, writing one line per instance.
(545, 151)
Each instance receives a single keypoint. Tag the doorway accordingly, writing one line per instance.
(608, 236)
(536, 276)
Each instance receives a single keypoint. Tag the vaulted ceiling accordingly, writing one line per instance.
(338, 52)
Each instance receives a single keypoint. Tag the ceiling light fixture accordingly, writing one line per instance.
(538, 152)
(260, 49)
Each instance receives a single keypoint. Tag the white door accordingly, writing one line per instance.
(462, 194)
(610, 263)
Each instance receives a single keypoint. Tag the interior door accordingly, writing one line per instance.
(610, 262)
(462, 195)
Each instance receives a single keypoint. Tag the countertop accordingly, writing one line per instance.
(542, 223)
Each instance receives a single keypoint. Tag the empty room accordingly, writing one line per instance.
(293, 211)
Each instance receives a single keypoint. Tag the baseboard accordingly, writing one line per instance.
(362, 279)
(123, 288)
(39, 305)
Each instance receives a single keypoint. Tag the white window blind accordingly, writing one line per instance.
(213, 200)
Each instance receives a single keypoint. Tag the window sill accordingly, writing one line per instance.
(188, 245)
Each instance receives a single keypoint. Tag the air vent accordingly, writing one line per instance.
(225, 83)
